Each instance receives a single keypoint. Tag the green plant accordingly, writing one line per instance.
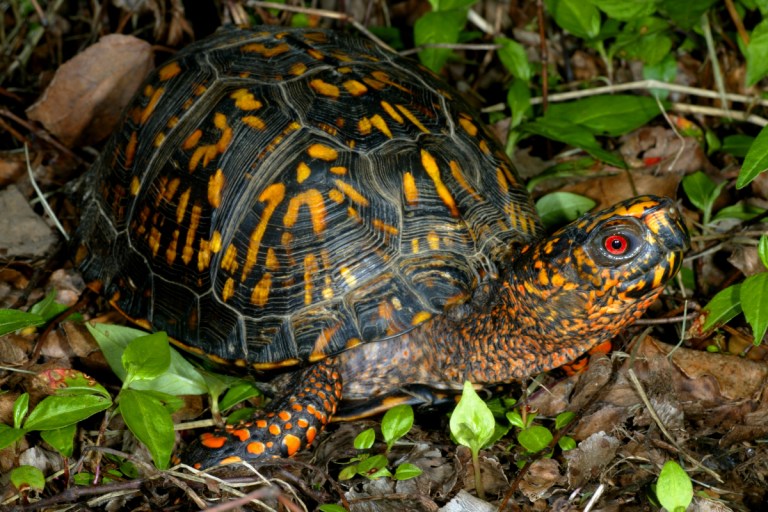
(674, 489)
(472, 425)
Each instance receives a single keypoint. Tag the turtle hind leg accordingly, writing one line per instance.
(418, 396)
(288, 424)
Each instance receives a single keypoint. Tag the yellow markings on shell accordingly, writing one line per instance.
(229, 289)
(430, 165)
(324, 88)
(412, 118)
(468, 126)
(364, 126)
(348, 276)
(313, 199)
(181, 208)
(658, 276)
(336, 196)
(410, 189)
(355, 88)
(135, 186)
(384, 78)
(338, 170)
(194, 221)
(130, 149)
(169, 71)
(170, 251)
(458, 175)
(229, 261)
(192, 140)
(298, 69)
(390, 110)
(421, 317)
(316, 54)
(266, 51)
(327, 293)
(260, 294)
(433, 240)
(302, 172)
(215, 186)
(352, 193)
(557, 280)
(254, 122)
(154, 240)
(272, 196)
(245, 100)
(386, 228)
(381, 125)
(159, 139)
(208, 152)
(272, 262)
(415, 246)
(310, 269)
(502, 181)
(154, 98)
(322, 152)
(484, 147)
(203, 255)
(543, 277)
(215, 244)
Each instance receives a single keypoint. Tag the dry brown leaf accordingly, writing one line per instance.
(609, 190)
(25, 234)
(84, 100)
(587, 460)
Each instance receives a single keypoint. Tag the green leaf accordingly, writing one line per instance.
(573, 134)
(519, 101)
(674, 488)
(723, 308)
(364, 440)
(447, 5)
(48, 308)
(686, 14)
(580, 18)
(699, 188)
(348, 472)
(626, 9)
(396, 423)
(406, 471)
(560, 208)
(56, 412)
(373, 467)
(563, 419)
(240, 391)
(610, 115)
(150, 422)
(24, 477)
(515, 419)
(472, 422)
(740, 210)
(756, 160)
(20, 409)
(566, 443)
(182, 378)
(61, 439)
(737, 145)
(534, 438)
(513, 57)
(69, 382)
(757, 54)
(438, 27)
(762, 250)
(147, 357)
(332, 507)
(665, 71)
(9, 435)
(12, 320)
(754, 302)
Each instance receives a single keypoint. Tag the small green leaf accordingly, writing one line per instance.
(612, 115)
(741, 210)
(580, 18)
(573, 134)
(48, 308)
(331, 507)
(20, 409)
(150, 422)
(9, 435)
(534, 438)
(762, 250)
(737, 145)
(756, 160)
(24, 477)
(519, 101)
(559, 208)
(12, 320)
(674, 488)
(438, 27)
(563, 419)
(515, 419)
(56, 412)
(513, 57)
(723, 308)
(626, 9)
(406, 471)
(699, 188)
(373, 467)
(472, 422)
(686, 14)
(364, 440)
(396, 423)
(757, 54)
(147, 356)
(754, 302)
(348, 472)
(566, 443)
(240, 391)
(61, 439)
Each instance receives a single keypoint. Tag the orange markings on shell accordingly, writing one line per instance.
(241, 433)
(214, 442)
(291, 443)
(256, 448)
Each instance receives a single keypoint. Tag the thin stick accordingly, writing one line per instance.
(743, 34)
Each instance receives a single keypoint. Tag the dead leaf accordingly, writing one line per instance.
(84, 100)
(25, 234)
(587, 460)
(609, 190)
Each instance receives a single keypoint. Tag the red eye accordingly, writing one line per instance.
(616, 244)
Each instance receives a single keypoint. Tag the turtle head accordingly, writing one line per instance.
(589, 280)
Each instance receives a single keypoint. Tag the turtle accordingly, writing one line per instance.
(303, 205)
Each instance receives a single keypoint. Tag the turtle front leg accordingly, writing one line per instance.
(288, 424)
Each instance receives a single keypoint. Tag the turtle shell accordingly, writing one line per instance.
(275, 196)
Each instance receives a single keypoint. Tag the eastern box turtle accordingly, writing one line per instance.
(304, 201)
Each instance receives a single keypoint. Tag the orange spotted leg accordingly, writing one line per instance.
(289, 423)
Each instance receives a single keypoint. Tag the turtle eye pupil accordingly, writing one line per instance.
(616, 244)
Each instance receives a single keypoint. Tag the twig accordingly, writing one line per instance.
(743, 34)
(543, 54)
(480, 22)
(716, 72)
(451, 46)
